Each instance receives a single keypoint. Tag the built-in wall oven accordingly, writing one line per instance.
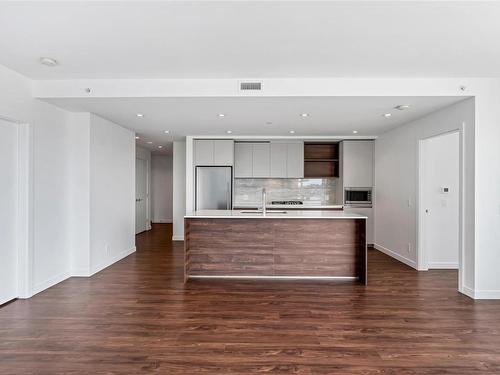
(358, 197)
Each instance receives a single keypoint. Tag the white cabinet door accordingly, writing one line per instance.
(295, 160)
(203, 152)
(358, 163)
(261, 160)
(223, 152)
(278, 159)
(243, 155)
(369, 223)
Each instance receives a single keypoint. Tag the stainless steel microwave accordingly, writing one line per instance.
(358, 196)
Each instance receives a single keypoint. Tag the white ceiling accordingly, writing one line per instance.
(249, 116)
(181, 39)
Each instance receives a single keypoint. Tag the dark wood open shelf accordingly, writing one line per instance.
(321, 159)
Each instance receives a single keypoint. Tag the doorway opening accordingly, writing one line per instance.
(141, 196)
(440, 196)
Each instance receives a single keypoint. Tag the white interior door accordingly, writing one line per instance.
(141, 187)
(8, 211)
(440, 163)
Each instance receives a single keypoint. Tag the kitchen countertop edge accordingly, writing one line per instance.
(294, 214)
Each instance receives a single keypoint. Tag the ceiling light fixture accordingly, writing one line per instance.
(387, 115)
(47, 61)
(402, 107)
(355, 132)
(150, 143)
(160, 146)
(137, 137)
(304, 114)
(292, 131)
(221, 114)
(229, 131)
(166, 131)
(140, 115)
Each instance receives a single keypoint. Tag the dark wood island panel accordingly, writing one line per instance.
(271, 247)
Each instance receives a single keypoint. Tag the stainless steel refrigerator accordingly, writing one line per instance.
(214, 188)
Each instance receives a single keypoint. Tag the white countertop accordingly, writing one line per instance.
(294, 206)
(293, 214)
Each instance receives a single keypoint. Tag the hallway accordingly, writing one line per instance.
(137, 316)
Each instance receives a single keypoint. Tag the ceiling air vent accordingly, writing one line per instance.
(250, 86)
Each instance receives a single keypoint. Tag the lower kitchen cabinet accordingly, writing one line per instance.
(368, 212)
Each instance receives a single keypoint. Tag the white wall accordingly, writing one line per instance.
(396, 179)
(112, 192)
(439, 234)
(179, 189)
(60, 224)
(49, 145)
(9, 188)
(145, 154)
(161, 188)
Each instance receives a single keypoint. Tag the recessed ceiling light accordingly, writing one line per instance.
(160, 146)
(47, 61)
(137, 137)
(304, 114)
(150, 143)
(166, 131)
(355, 132)
(221, 114)
(387, 114)
(402, 107)
(292, 131)
(229, 131)
(140, 115)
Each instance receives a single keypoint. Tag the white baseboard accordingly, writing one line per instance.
(469, 292)
(162, 221)
(396, 256)
(110, 261)
(80, 272)
(40, 287)
(178, 238)
(443, 265)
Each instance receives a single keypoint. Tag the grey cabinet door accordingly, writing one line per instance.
(295, 160)
(203, 152)
(243, 155)
(358, 163)
(278, 159)
(261, 163)
(223, 152)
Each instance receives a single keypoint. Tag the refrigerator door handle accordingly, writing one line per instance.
(228, 196)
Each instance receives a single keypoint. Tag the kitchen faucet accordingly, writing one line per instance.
(264, 201)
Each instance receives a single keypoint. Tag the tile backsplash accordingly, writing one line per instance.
(313, 191)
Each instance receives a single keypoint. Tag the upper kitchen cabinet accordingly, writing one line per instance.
(321, 159)
(269, 159)
(243, 159)
(213, 152)
(358, 163)
(279, 159)
(287, 159)
(295, 160)
(261, 160)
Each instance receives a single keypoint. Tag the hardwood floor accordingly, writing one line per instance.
(138, 317)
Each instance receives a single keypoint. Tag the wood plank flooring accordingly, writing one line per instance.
(137, 317)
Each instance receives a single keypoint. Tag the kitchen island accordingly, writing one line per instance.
(279, 244)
